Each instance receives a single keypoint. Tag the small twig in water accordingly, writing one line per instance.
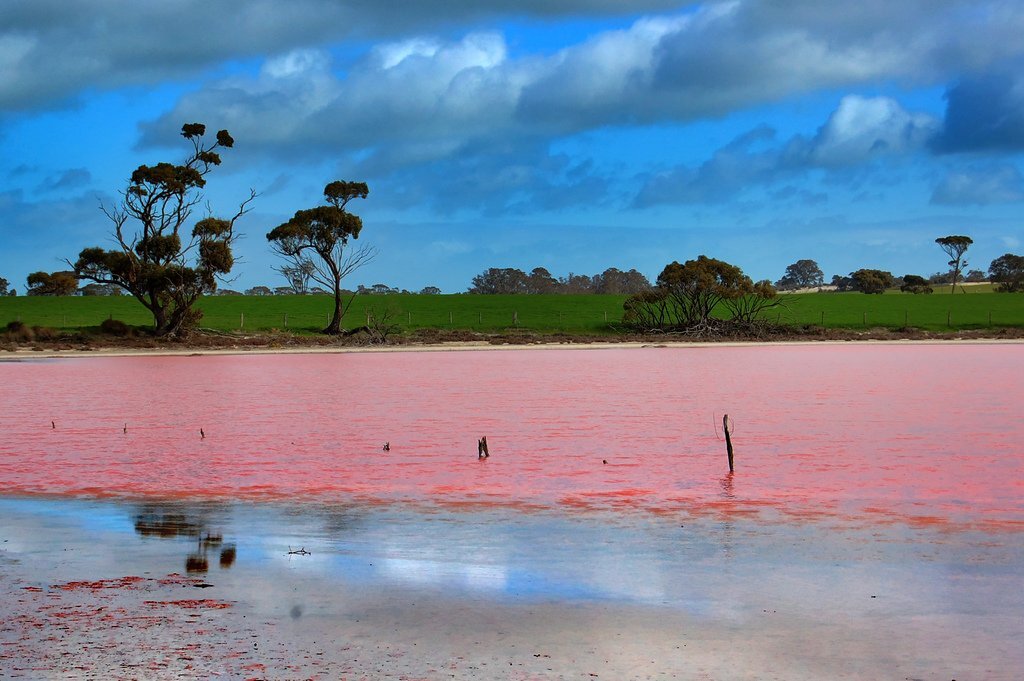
(299, 552)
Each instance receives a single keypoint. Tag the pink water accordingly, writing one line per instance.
(921, 434)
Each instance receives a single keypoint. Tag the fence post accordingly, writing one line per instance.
(606, 316)
(515, 318)
(286, 320)
(410, 318)
(990, 317)
(241, 321)
(906, 318)
(450, 322)
(865, 319)
(480, 318)
(823, 318)
(949, 318)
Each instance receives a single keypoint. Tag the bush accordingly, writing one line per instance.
(45, 333)
(115, 327)
(19, 332)
(913, 283)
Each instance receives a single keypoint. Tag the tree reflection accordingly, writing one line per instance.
(173, 522)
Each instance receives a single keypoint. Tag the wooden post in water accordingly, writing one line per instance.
(481, 448)
(728, 440)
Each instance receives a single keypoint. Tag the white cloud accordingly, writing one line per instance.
(862, 128)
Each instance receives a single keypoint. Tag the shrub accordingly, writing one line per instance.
(45, 333)
(115, 327)
(19, 332)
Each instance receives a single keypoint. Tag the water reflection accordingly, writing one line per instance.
(175, 522)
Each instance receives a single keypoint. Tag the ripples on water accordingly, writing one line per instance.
(922, 434)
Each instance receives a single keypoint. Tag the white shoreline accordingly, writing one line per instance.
(462, 346)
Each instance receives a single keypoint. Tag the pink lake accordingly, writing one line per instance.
(917, 434)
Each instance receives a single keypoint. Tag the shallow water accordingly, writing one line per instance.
(873, 528)
(920, 434)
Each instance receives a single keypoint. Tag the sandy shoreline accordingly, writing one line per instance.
(45, 353)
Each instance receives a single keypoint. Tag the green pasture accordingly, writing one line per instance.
(309, 314)
(591, 314)
(936, 312)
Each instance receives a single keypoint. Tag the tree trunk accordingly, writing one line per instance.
(334, 328)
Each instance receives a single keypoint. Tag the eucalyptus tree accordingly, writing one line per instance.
(955, 247)
(152, 261)
(317, 240)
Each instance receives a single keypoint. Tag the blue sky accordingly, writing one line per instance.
(574, 135)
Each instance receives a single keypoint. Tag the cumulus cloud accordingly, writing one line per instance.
(421, 98)
(860, 131)
(50, 50)
(980, 185)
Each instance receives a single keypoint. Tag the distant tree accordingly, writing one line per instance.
(975, 277)
(227, 292)
(430, 291)
(320, 236)
(914, 283)
(55, 284)
(382, 289)
(955, 247)
(686, 296)
(155, 265)
(284, 291)
(298, 276)
(939, 278)
(541, 281)
(842, 283)
(259, 291)
(872, 281)
(1008, 272)
(4, 284)
(616, 282)
(576, 284)
(500, 280)
(99, 290)
(801, 274)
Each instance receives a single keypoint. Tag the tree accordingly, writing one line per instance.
(4, 284)
(801, 274)
(541, 281)
(872, 281)
(955, 247)
(56, 284)
(259, 291)
(99, 290)
(915, 283)
(1008, 272)
(975, 277)
(298, 276)
(576, 283)
(430, 291)
(615, 281)
(500, 280)
(163, 271)
(318, 239)
(686, 296)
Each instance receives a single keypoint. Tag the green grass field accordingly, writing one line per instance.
(591, 314)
